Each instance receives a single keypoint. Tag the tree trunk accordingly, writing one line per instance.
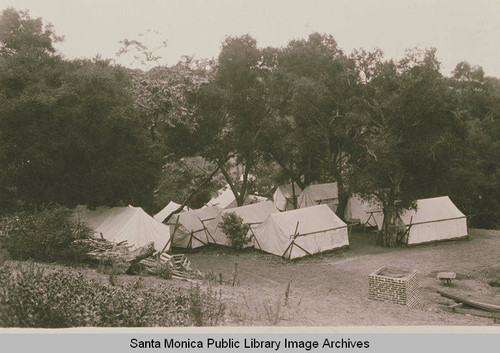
(343, 196)
(389, 233)
(237, 195)
(294, 195)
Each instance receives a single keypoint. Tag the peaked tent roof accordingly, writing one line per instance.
(434, 219)
(317, 194)
(252, 214)
(172, 206)
(94, 218)
(193, 220)
(226, 199)
(301, 232)
(432, 209)
(283, 196)
(311, 220)
(132, 224)
(190, 232)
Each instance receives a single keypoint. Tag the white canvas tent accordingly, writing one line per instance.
(283, 196)
(368, 213)
(172, 206)
(318, 194)
(188, 228)
(434, 219)
(226, 199)
(132, 224)
(253, 215)
(301, 232)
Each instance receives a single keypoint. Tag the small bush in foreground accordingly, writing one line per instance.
(30, 297)
(47, 236)
(206, 307)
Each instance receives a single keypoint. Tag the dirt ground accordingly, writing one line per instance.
(332, 289)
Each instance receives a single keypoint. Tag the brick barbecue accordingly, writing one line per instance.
(393, 285)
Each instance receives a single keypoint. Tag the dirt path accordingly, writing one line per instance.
(332, 289)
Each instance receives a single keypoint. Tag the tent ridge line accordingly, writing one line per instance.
(319, 231)
(435, 221)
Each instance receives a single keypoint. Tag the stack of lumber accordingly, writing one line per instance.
(102, 249)
(106, 250)
(180, 266)
(122, 255)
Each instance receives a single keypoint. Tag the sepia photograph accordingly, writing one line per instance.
(239, 164)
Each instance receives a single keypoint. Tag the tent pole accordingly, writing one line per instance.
(254, 237)
(190, 243)
(193, 236)
(207, 232)
(295, 232)
(171, 240)
(292, 243)
(300, 247)
(286, 250)
(407, 232)
(368, 220)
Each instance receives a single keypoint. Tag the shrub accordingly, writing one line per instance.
(164, 271)
(112, 266)
(30, 297)
(206, 308)
(48, 236)
(235, 229)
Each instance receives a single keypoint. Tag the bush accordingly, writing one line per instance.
(47, 236)
(205, 308)
(235, 229)
(164, 271)
(30, 297)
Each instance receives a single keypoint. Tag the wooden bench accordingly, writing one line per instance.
(446, 277)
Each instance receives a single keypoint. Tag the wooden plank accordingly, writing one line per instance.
(473, 312)
(472, 303)
(446, 275)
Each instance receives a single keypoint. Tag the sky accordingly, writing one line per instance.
(461, 30)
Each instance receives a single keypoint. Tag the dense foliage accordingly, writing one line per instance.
(87, 131)
(69, 132)
(235, 229)
(32, 297)
(50, 235)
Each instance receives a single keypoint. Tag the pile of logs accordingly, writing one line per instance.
(123, 256)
